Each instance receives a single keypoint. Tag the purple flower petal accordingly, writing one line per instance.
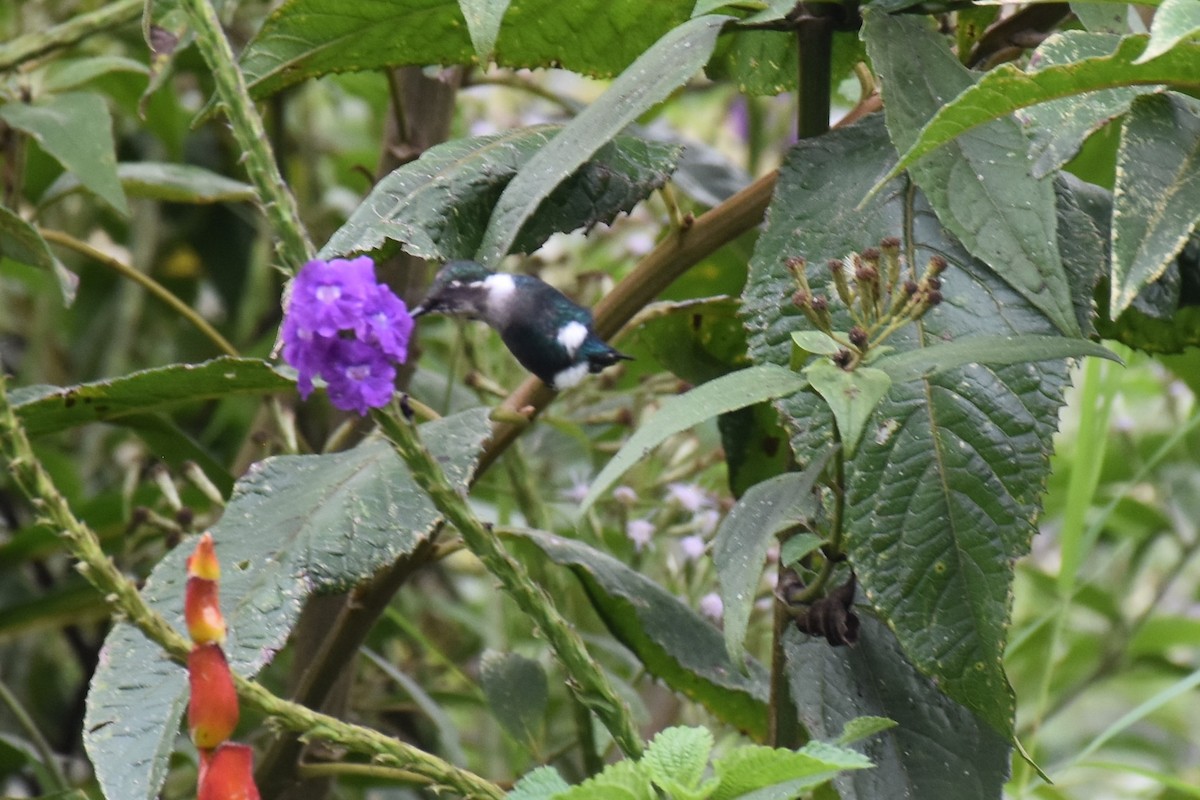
(359, 376)
(385, 321)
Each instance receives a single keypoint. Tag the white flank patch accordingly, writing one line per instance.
(570, 376)
(571, 336)
(499, 285)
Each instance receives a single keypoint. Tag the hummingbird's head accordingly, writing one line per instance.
(459, 288)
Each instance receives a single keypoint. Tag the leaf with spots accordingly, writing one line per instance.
(295, 526)
(945, 486)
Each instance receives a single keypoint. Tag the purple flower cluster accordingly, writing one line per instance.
(344, 326)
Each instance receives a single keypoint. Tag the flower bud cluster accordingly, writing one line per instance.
(874, 289)
(226, 768)
(344, 326)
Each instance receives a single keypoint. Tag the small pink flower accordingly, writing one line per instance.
(712, 607)
(640, 532)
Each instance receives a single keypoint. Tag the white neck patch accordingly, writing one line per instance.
(571, 336)
(499, 286)
(571, 375)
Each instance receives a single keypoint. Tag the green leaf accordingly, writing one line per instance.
(744, 536)
(675, 761)
(673, 642)
(437, 206)
(1104, 17)
(698, 340)
(1007, 88)
(796, 548)
(951, 471)
(64, 75)
(767, 773)
(666, 66)
(852, 396)
(21, 242)
(735, 390)
(936, 749)
(1156, 201)
(816, 342)
(483, 23)
(1058, 128)
(980, 185)
(862, 727)
(542, 783)
(294, 526)
(174, 183)
(517, 690)
(1174, 21)
(625, 780)
(45, 409)
(304, 39)
(76, 129)
(992, 350)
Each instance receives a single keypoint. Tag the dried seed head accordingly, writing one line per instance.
(866, 274)
(934, 283)
(834, 265)
(937, 265)
(889, 243)
(842, 358)
(819, 303)
(910, 288)
(933, 298)
(858, 337)
(801, 299)
(871, 254)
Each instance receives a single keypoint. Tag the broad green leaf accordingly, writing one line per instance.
(174, 183)
(852, 396)
(1103, 17)
(64, 75)
(437, 206)
(542, 783)
(951, 469)
(768, 773)
(662, 69)
(671, 640)
(744, 536)
(675, 761)
(624, 780)
(735, 390)
(294, 526)
(990, 350)
(518, 692)
(1007, 88)
(483, 23)
(936, 749)
(45, 409)
(1174, 21)
(1058, 128)
(755, 444)
(305, 39)
(21, 242)
(796, 548)
(1156, 201)
(697, 340)
(815, 342)
(862, 727)
(980, 185)
(76, 129)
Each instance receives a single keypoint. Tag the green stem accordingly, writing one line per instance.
(293, 245)
(101, 572)
(57, 777)
(587, 680)
(32, 45)
(146, 282)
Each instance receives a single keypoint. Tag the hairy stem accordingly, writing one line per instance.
(293, 245)
(587, 680)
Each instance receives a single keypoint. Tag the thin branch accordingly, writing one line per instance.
(145, 281)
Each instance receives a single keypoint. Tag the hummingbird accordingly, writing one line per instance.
(548, 333)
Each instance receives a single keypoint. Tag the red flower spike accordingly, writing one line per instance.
(213, 706)
(229, 775)
(202, 563)
(202, 611)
